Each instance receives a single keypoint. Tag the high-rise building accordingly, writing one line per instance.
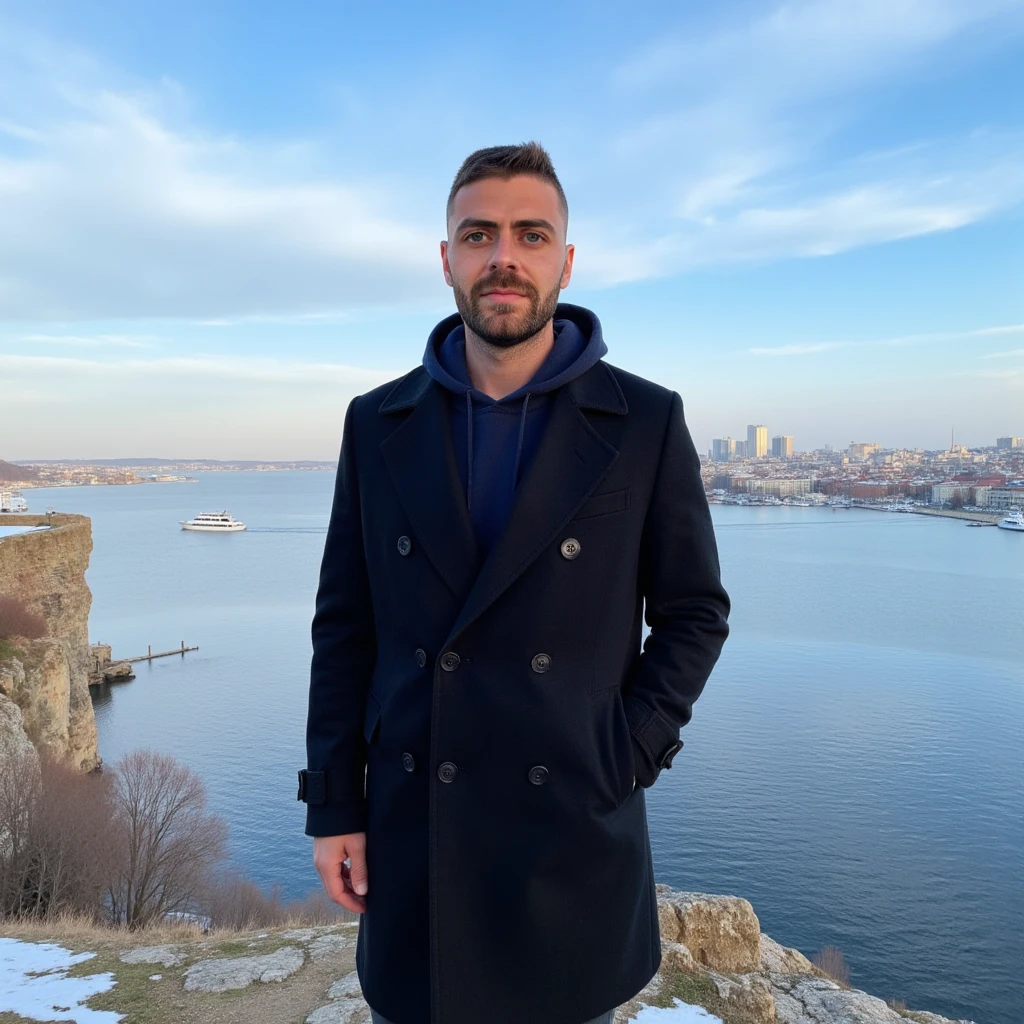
(782, 446)
(861, 450)
(722, 449)
(1009, 442)
(741, 449)
(757, 441)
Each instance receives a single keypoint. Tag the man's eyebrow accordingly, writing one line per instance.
(537, 222)
(476, 222)
(519, 225)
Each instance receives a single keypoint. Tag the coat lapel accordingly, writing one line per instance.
(570, 462)
(421, 461)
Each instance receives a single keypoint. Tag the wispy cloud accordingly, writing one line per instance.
(89, 341)
(281, 372)
(113, 206)
(935, 338)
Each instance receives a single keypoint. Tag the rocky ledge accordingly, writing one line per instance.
(714, 957)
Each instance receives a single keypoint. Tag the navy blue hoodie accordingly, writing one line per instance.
(495, 439)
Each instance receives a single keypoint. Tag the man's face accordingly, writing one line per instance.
(506, 257)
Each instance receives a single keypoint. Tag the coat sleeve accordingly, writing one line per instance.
(344, 654)
(684, 603)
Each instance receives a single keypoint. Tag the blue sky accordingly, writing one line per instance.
(219, 221)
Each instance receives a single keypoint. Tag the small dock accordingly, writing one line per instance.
(149, 656)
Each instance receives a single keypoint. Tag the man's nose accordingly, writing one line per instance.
(504, 256)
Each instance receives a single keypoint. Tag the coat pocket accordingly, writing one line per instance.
(603, 504)
(371, 721)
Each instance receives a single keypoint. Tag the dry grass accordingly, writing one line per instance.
(831, 962)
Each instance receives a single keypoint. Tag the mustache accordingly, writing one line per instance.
(505, 280)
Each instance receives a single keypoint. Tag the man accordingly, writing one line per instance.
(482, 721)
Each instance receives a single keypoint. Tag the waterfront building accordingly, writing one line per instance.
(722, 449)
(779, 486)
(757, 441)
(782, 446)
(1010, 495)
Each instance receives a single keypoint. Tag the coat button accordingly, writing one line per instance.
(541, 663)
(447, 771)
(450, 661)
(404, 545)
(409, 762)
(421, 657)
(538, 775)
(570, 548)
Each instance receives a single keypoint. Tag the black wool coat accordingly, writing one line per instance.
(483, 719)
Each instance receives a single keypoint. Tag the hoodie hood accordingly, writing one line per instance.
(579, 344)
(494, 439)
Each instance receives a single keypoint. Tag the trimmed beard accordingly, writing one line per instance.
(506, 333)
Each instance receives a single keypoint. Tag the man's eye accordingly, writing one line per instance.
(475, 236)
(533, 236)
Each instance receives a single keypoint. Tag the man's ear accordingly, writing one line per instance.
(444, 264)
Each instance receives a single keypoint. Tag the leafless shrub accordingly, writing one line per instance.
(237, 903)
(316, 908)
(17, 620)
(169, 842)
(233, 902)
(56, 841)
(830, 960)
(896, 1004)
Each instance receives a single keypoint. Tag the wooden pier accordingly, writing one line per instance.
(160, 654)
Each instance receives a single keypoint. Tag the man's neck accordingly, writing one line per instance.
(497, 371)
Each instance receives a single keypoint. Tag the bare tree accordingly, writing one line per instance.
(169, 841)
(56, 841)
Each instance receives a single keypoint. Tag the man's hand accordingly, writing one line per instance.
(345, 883)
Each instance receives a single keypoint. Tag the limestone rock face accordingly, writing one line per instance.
(721, 932)
(50, 682)
(778, 959)
(14, 743)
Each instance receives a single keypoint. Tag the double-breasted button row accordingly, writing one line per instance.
(450, 661)
(571, 548)
(404, 545)
(447, 770)
(538, 775)
(408, 762)
(541, 663)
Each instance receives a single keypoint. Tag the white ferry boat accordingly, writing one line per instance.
(12, 501)
(213, 522)
(1014, 521)
(900, 506)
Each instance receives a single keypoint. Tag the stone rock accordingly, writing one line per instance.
(721, 932)
(46, 570)
(226, 973)
(347, 1004)
(14, 742)
(326, 945)
(676, 954)
(300, 934)
(750, 994)
(778, 959)
(346, 988)
(168, 956)
(815, 1000)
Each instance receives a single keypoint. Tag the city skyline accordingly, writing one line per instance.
(220, 226)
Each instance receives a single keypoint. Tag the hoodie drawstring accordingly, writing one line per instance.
(519, 446)
(469, 449)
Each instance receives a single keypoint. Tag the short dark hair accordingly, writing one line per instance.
(507, 162)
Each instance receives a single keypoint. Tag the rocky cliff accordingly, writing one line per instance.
(48, 680)
(714, 957)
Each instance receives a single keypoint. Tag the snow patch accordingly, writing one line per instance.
(34, 984)
(678, 1013)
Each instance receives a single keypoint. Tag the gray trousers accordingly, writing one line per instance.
(605, 1018)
